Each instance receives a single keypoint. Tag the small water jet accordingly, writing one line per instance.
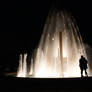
(59, 50)
(22, 70)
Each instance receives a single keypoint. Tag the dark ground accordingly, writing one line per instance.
(46, 84)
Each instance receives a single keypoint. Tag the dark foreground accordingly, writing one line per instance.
(13, 84)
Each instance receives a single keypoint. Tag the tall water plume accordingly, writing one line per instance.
(59, 49)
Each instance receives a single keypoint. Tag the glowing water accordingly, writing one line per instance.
(22, 71)
(19, 73)
(59, 49)
(31, 68)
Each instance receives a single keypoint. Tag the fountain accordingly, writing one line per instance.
(22, 71)
(58, 52)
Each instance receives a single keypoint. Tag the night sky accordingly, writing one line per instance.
(22, 23)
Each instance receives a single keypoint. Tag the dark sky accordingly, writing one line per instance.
(22, 24)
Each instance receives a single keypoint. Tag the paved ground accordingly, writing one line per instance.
(46, 84)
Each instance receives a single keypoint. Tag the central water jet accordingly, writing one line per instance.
(59, 49)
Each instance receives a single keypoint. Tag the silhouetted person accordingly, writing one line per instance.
(83, 65)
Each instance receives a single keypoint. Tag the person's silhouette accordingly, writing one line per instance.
(83, 65)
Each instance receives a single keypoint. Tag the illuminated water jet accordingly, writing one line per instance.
(59, 50)
(22, 70)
